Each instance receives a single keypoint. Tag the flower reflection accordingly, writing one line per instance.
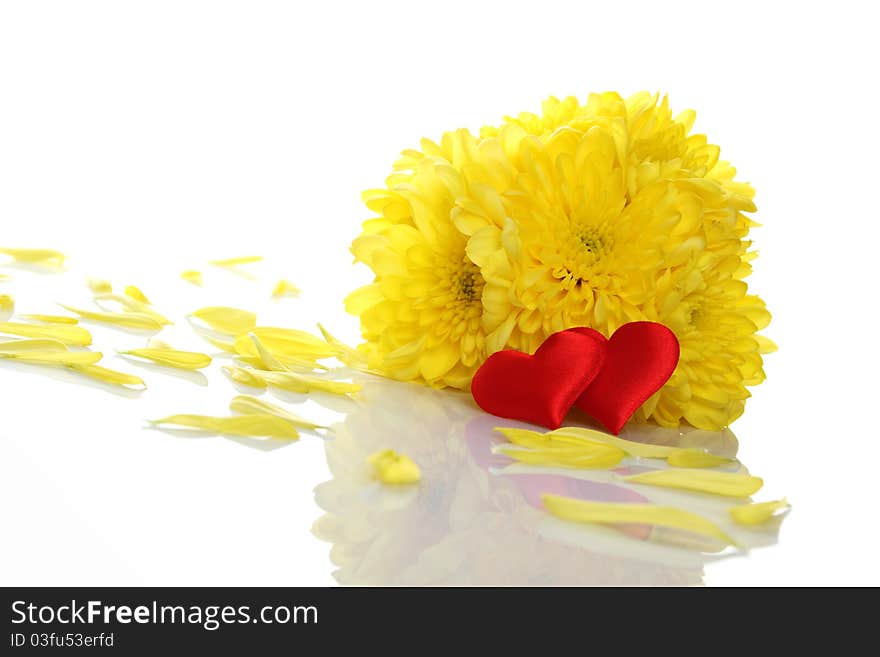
(476, 518)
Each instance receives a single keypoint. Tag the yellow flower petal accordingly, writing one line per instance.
(759, 512)
(285, 288)
(245, 376)
(389, 467)
(234, 262)
(52, 319)
(54, 357)
(267, 359)
(603, 457)
(100, 286)
(185, 360)
(106, 375)
(293, 342)
(42, 257)
(305, 384)
(705, 481)
(695, 458)
(37, 344)
(72, 335)
(347, 355)
(249, 405)
(192, 276)
(132, 305)
(126, 320)
(613, 513)
(631, 447)
(256, 425)
(232, 321)
(7, 304)
(136, 294)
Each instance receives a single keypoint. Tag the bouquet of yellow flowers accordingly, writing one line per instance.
(593, 214)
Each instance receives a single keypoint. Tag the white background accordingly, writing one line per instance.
(143, 138)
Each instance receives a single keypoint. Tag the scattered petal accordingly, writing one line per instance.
(285, 288)
(245, 376)
(192, 276)
(614, 513)
(631, 447)
(695, 458)
(235, 262)
(54, 357)
(730, 484)
(132, 305)
(389, 467)
(136, 294)
(293, 342)
(126, 320)
(52, 319)
(249, 405)
(184, 360)
(106, 375)
(759, 512)
(305, 384)
(71, 335)
(602, 457)
(267, 359)
(347, 355)
(100, 286)
(7, 304)
(232, 321)
(37, 344)
(255, 425)
(41, 257)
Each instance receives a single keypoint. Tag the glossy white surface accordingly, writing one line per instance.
(146, 139)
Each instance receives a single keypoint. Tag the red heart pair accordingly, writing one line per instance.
(607, 379)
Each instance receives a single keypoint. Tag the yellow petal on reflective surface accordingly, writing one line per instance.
(305, 384)
(136, 294)
(256, 426)
(695, 458)
(389, 467)
(347, 355)
(293, 342)
(729, 484)
(126, 320)
(222, 345)
(106, 375)
(223, 319)
(7, 304)
(71, 335)
(52, 319)
(249, 405)
(759, 512)
(267, 359)
(192, 276)
(285, 288)
(641, 450)
(602, 458)
(41, 257)
(100, 286)
(132, 305)
(614, 513)
(36, 344)
(184, 360)
(245, 376)
(235, 262)
(54, 357)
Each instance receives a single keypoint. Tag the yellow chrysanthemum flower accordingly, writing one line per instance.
(587, 215)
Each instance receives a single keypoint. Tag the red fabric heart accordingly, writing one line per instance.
(640, 358)
(540, 388)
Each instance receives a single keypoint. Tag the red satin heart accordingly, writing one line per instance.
(540, 388)
(640, 358)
